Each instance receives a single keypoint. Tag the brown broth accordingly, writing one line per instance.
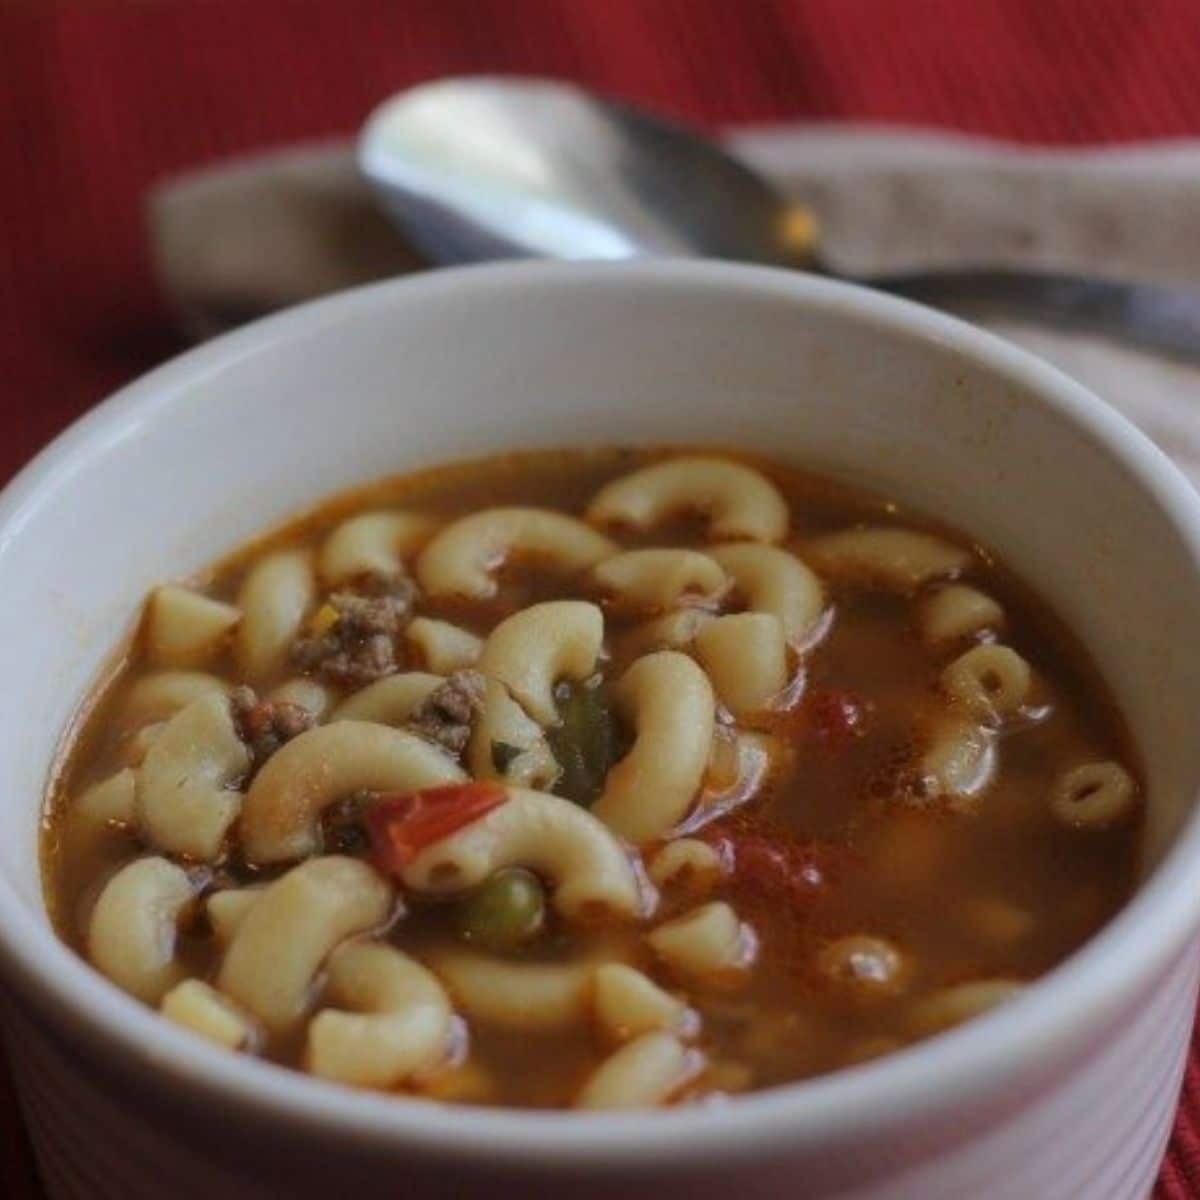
(1002, 892)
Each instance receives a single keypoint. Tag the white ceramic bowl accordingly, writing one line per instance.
(1068, 1092)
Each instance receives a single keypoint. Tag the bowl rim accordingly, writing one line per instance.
(1101, 979)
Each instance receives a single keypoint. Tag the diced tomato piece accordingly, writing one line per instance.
(832, 719)
(783, 884)
(788, 869)
(776, 866)
(402, 824)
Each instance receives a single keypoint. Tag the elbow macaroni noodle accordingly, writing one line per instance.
(673, 631)
(629, 1004)
(669, 703)
(279, 945)
(776, 582)
(112, 801)
(740, 503)
(590, 780)
(132, 933)
(956, 612)
(185, 798)
(199, 1007)
(399, 1023)
(443, 647)
(184, 628)
(745, 656)
(959, 763)
(279, 820)
(708, 943)
(591, 875)
(275, 598)
(374, 543)
(521, 997)
(391, 700)
(461, 559)
(535, 648)
(162, 694)
(503, 722)
(643, 1073)
(655, 580)
(990, 682)
(899, 559)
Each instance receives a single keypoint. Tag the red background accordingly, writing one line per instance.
(99, 99)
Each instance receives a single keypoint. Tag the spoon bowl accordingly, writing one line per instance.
(489, 167)
(504, 168)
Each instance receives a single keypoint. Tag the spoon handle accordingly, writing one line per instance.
(1158, 318)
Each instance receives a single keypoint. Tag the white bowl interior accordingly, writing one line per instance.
(197, 458)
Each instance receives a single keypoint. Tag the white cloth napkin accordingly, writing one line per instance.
(254, 235)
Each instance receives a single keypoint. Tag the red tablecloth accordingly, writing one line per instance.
(98, 99)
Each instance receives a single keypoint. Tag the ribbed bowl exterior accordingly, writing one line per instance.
(1096, 1132)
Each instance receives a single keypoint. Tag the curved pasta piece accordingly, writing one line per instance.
(773, 581)
(947, 1007)
(444, 648)
(133, 927)
(659, 578)
(957, 612)
(199, 1007)
(745, 655)
(373, 543)
(275, 598)
(112, 801)
(740, 502)
(672, 631)
(592, 877)
(997, 921)
(156, 697)
(226, 909)
(467, 1082)
(463, 558)
(709, 943)
(184, 627)
(864, 968)
(303, 693)
(186, 800)
(400, 1023)
(687, 865)
(628, 1004)
(1095, 795)
(533, 649)
(669, 702)
(523, 997)
(282, 807)
(133, 752)
(644, 1073)
(900, 560)
(290, 930)
(989, 681)
(391, 700)
(506, 743)
(959, 762)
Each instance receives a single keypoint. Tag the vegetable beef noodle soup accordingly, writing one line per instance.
(593, 779)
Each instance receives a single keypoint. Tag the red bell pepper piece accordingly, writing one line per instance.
(402, 824)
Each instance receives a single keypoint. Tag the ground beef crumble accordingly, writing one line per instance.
(342, 827)
(265, 725)
(360, 646)
(446, 715)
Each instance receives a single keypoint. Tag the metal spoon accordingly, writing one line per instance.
(482, 168)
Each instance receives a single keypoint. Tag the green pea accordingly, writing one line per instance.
(505, 912)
